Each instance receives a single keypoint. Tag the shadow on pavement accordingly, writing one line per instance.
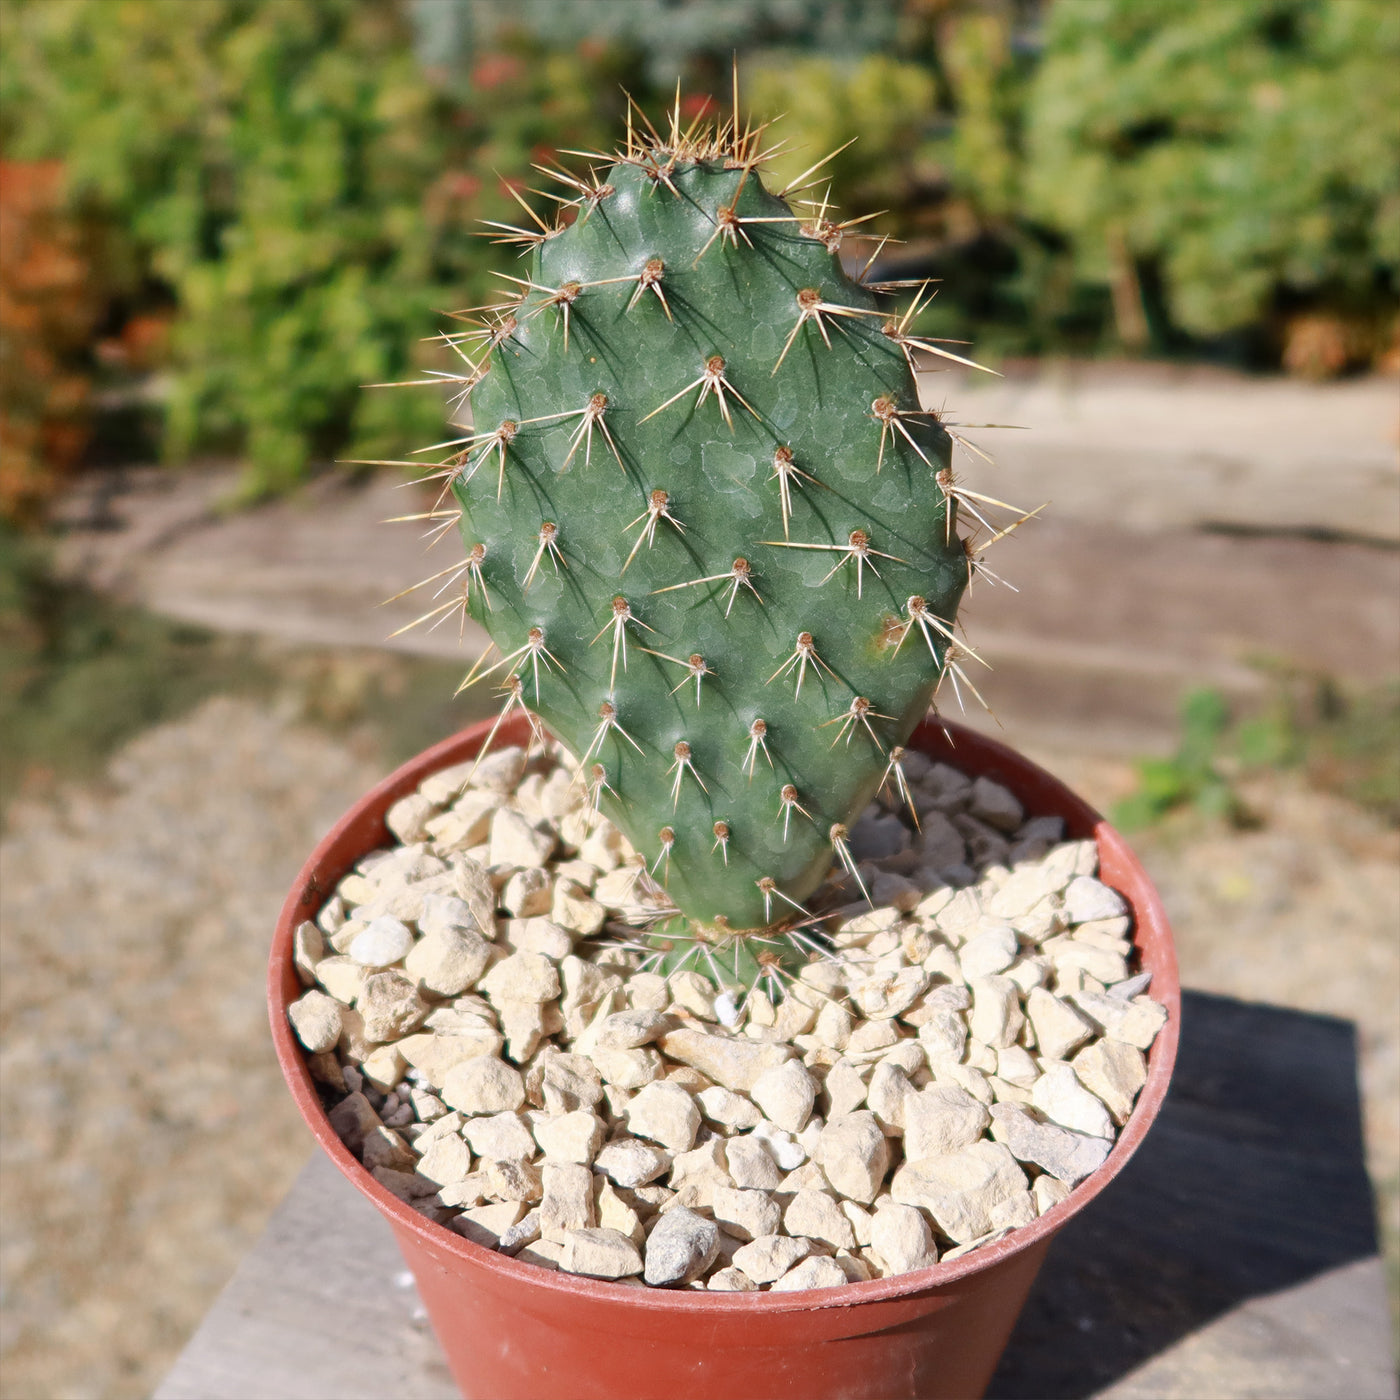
(1252, 1181)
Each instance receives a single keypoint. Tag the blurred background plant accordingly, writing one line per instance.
(278, 184)
(223, 219)
(1344, 741)
(1229, 171)
(50, 305)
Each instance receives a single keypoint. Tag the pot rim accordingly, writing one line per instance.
(363, 824)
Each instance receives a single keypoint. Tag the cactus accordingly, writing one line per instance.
(711, 533)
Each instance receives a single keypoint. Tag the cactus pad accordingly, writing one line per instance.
(709, 531)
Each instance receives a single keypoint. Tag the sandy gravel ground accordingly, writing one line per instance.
(147, 1133)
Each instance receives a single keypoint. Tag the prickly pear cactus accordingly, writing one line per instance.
(708, 529)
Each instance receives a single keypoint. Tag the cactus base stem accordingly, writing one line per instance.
(731, 958)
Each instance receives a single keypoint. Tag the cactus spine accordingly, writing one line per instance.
(708, 528)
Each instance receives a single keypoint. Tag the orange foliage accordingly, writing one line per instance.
(49, 305)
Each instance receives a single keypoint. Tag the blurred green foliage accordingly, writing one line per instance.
(823, 102)
(296, 181)
(1230, 159)
(286, 171)
(939, 150)
(1191, 776)
(1345, 742)
(79, 675)
(693, 40)
(269, 164)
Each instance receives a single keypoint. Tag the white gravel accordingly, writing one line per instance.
(959, 1046)
(147, 1132)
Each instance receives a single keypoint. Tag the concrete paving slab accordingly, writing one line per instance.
(1159, 447)
(1199, 521)
(1111, 627)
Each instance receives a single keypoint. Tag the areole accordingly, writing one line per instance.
(513, 1331)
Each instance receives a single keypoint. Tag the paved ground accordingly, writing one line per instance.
(1158, 448)
(153, 1138)
(1198, 521)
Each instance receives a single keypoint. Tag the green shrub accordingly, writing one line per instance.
(939, 148)
(294, 180)
(268, 164)
(1218, 163)
(822, 101)
(289, 174)
(1192, 776)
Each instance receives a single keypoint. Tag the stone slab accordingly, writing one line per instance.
(1160, 446)
(1235, 1257)
(1196, 519)
(322, 1306)
(1318, 1338)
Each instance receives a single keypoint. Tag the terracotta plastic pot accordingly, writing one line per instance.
(513, 1331)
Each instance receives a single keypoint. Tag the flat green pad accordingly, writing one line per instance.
(733, 293)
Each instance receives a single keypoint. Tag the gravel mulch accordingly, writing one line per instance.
(945, 1060)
